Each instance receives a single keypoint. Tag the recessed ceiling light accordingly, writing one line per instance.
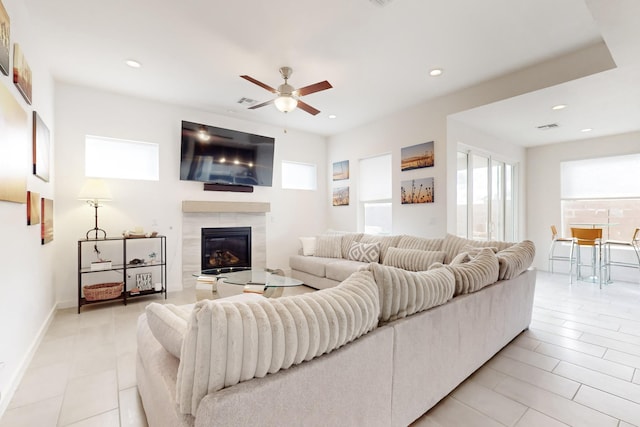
(586, 130)
(559, 107)
(435, 72)
(332, 116)
(133, 63)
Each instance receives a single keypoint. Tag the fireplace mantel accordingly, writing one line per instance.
(194, 206)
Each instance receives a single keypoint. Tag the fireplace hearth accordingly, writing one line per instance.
(228, 247)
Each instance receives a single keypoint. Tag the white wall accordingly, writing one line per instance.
(543, 182)
(157, 205)
(27, 294)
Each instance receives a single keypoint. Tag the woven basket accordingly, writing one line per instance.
(102, 291)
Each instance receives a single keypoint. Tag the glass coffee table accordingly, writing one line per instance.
(267, 282)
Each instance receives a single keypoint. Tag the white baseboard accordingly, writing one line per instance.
(14, 382)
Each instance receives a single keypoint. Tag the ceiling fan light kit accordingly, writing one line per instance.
(288, 97)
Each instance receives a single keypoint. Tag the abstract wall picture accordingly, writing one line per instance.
(341, 196)
(341, 170)
(41, 150)
(33, 208)
(46, 230)
(5, 40)
(417, 156)
(21, 73)
(14, 148)
(417, 191)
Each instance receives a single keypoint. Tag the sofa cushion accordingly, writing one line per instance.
(364, 252)
(329, 246)
(347, 240)
(340, 270)
(475, 274)
(308, 246)
(453, 245)
(168, 324)
(314, 265)
(229, 342)
(403, 293)
(412, 259)
(385, 243)
(515, 259)
(422, 243)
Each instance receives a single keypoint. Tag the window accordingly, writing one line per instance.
(117, 158)
(486, 208)
(603, 190)
(298, 176)
(375, 194)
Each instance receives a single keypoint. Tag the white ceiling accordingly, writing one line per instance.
(377, 58)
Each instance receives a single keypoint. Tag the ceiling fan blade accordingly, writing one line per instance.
(316, 87)
(308, 108)
(262, 85)
(262, 105)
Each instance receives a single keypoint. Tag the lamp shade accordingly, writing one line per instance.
(95, 189)
(286, 103)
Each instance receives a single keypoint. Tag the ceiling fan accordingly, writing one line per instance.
(288, 96)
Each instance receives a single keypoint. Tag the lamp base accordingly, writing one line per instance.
(96, 230)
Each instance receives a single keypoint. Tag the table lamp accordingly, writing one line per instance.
(94, 191)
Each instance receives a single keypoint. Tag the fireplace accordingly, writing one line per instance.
(226, 247)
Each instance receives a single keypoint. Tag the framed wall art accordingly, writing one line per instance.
(341, 196)
(41, 150)
(46, 230)
(341, 170)
(417, 191)
(33, 208)
(21, 73)
(14, 149)
(5, 40)
(417, 156)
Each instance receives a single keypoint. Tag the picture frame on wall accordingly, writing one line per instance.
(14, 148)
(415, 191)
(33, 208)
(41, 148)
(341, 170)
(22, 73)
(5, 40)
(417, 156)
(341, 196)
(46, 230)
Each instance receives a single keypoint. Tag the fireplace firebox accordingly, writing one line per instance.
(227, 247)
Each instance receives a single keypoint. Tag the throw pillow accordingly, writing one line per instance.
(308, 246)
(515, 259)
(461, 258)
(364, 252)
(412, 259)
(403, 293)
(474, 275)
(168, 325)
(329, 246)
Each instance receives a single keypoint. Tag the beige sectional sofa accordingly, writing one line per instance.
(379, 348)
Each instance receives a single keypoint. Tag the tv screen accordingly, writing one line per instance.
(224, 156)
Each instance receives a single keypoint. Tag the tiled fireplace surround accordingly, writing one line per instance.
(199, 214)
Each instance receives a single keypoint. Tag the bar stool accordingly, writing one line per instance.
(555, 239)
(589, 237)
(634, 244)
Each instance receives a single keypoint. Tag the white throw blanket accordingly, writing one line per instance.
(231, 341)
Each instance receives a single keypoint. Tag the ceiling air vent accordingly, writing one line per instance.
(549, 126)
(246, 101)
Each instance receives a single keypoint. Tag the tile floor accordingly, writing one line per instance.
(577, 365)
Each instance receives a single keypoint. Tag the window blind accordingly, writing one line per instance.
(375, 178)
(604, 177)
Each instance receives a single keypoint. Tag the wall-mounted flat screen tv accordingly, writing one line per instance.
(223, 156)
